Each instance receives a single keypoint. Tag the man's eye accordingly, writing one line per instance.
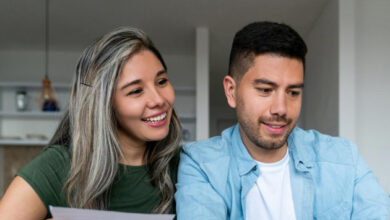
(294, 93)
(135, 92)
(264, 90)
(162, 81)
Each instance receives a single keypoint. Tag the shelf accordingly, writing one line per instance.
(187, 117)
(31, 114)
(23, 142)
(184, 90)
(32, 85)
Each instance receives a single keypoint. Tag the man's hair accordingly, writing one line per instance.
(263, 38)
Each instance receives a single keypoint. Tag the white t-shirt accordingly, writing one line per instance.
(271, 197)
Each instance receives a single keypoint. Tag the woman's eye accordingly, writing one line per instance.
(135, 92)
(162, 81)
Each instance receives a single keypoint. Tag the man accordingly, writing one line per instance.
(266, 167)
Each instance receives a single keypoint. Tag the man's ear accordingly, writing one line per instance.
(230, 87)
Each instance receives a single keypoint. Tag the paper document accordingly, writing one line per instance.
(60, 213)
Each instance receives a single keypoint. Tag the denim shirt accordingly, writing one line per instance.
(329, 179)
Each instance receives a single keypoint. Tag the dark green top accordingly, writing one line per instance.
(131, 191)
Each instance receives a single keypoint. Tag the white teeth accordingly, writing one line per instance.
(275, 126)
(157, 118)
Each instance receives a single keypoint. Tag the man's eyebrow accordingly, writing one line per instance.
(268, 82)
(264, 81)
(296, 86)
(137, 81)
(161, 72)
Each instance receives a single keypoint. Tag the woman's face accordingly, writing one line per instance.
(143, 100)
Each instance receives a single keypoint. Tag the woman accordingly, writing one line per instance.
(116, 147)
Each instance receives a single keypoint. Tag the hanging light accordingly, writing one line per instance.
(49, 102)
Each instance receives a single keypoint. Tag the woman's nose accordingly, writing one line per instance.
(155, 99)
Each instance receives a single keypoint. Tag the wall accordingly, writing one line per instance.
(346, 85)
(320, 97)
(372, 26)
(29, 65)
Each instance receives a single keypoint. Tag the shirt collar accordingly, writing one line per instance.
(299, 148)
(240, 153)
(302, 155)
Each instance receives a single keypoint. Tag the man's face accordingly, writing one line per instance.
(267, 100)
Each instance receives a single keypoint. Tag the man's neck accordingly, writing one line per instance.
(268, 156)
(261, 154)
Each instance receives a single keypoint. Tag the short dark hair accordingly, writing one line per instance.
(264, 38)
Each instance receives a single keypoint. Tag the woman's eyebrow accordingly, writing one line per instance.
(137, 81)
(134, 82)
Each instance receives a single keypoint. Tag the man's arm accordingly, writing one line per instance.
(370, 201)
(195, 196)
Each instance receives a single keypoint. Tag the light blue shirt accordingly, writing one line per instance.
(329, 179)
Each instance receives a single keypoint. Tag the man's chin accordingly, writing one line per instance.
(272, 143)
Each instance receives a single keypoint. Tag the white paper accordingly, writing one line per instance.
(60, 213)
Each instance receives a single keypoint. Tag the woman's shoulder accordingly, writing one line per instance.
(47, 173)
(53, 156)
(59, 151)
(52, 159)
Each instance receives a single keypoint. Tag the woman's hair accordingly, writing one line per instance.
(89, 125)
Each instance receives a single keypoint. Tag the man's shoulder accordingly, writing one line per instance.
(210, 149)
(206, 150)
(324, 148)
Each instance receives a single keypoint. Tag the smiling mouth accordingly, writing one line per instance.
(275, 126)
(156, 119)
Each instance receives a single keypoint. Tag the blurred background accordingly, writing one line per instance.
(346, 81)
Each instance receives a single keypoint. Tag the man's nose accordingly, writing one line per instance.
(279, 104)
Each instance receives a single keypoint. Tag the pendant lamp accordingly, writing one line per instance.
(49, 102)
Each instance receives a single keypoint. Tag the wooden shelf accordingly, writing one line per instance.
(31, 114)
(32, 85)
(184, 90)
(187, 117)
(23, 142)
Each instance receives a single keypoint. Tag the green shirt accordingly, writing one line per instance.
(131, 191)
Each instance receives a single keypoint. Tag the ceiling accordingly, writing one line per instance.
(170, 23)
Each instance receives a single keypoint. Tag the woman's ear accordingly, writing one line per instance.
(230, 87)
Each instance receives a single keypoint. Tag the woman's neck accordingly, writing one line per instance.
(133, 156)
(133, 151)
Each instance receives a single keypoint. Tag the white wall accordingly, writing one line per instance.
(320, 97)
(372, 48)
(29, 65)
(181, 73)
(347, 81)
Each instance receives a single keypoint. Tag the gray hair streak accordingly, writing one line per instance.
(89, 125)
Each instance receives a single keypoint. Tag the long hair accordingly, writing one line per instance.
(89, 125)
